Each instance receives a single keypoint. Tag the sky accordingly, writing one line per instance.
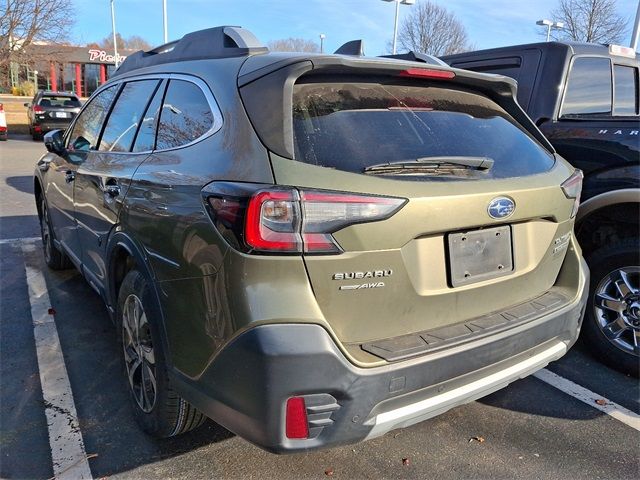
(489, 23)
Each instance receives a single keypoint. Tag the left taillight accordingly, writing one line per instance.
(572, 188)
(286, 220)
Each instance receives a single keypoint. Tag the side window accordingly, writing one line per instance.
(589, 87)
(124, 120)
(86, 130)
(147, 133)
(625, 100)
(185, 115)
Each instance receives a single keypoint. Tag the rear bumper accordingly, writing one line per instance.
(48, 126)
(246, 386)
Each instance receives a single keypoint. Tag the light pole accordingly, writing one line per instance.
(35, 81)
(322, 37)
(113, 29)
(164, 21)
(550, 24)
(395, 23)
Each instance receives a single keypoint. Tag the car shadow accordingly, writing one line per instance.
(96, 372)
(22, 183)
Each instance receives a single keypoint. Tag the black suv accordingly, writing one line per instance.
(50, 111)
(313, 249)
(584, 98)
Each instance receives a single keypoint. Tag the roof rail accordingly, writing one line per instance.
(354, 47)
(417, 57)
(217, 42)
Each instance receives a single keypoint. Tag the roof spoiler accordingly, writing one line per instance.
(217, 42)
(354, 47)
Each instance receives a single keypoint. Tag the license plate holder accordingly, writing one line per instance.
(479, 255)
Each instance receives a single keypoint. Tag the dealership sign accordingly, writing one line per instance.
(101, 56)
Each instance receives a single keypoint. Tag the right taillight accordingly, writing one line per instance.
(572, 187)
(285, 220)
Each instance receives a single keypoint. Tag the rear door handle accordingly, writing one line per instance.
(70, 176)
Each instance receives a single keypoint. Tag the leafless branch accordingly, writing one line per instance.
(432, 29)
(293, 45)
(594, 21)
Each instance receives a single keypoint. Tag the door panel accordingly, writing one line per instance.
(59, 180)
(103, 179)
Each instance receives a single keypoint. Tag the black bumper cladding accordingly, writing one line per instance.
(246, 387)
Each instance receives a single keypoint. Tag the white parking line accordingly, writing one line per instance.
(65, 439)
(590, 398)
(19, 240)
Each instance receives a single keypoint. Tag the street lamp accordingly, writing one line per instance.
(113, 29)
(164, 21)
(322, 37)
(550, 24)
(35, 80)
(395, 24)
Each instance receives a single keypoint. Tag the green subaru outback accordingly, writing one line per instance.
(313, 249)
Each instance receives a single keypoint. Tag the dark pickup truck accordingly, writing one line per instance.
(584, 98)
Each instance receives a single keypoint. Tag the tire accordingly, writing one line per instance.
(612, 318)
(158, 409)
(54, 258)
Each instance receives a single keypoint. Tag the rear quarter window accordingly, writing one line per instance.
(185, 115)
(352, 126)
(625, 92)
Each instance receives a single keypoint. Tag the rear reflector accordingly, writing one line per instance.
(296, 419)
(428, 73)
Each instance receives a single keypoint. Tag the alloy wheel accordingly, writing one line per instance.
(616, 304)
(45, 232)
(139, 354)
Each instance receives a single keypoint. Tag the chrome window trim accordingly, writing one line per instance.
(201, 84)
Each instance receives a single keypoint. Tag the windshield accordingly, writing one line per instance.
(352, 126)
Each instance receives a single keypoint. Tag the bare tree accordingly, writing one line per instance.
(593, 21)
(134, 42)
(23, 22)
(432, 29)
(293, 45)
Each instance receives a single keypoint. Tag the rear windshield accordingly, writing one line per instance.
(54, 101)
(352, 126)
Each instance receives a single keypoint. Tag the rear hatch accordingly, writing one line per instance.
(480, 214)
(57, 108)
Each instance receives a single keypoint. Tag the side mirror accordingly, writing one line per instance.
(27, 105)
(54, 142)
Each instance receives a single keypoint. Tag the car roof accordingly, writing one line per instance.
(575, 48)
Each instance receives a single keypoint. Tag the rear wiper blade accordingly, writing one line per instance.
(429, 164)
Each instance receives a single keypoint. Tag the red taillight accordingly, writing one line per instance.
(428, 73)
(273, 221)
(288, 221)
(572, 187)
(1, 107)
(38, 108)
(296, 419)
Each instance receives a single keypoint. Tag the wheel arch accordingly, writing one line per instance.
(608, 217)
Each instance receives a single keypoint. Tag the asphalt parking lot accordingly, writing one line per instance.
(530, 429)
